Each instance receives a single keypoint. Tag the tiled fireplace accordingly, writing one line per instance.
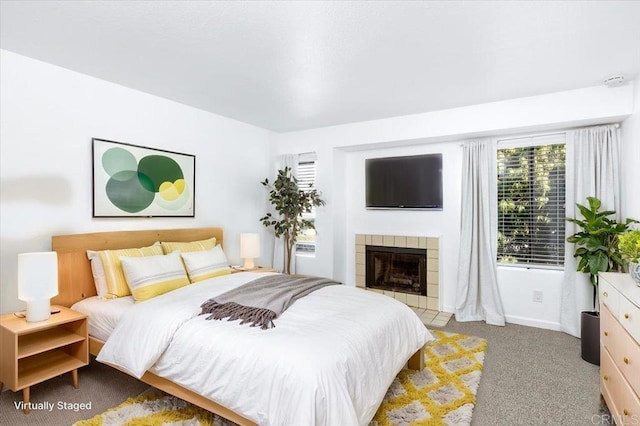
(397, 269)
(402, 267)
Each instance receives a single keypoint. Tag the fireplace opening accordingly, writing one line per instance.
(396, 269)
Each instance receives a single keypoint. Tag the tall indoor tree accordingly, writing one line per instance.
(290, 202)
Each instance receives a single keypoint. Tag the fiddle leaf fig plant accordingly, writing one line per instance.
(596, 244)
(290, 202)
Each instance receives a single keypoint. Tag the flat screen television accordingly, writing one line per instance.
(412, 182)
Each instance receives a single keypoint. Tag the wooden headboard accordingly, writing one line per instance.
(75, 280)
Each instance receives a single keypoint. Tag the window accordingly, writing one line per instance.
(531, 201)
(306, 175)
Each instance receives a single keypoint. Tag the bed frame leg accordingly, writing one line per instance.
(416, 362)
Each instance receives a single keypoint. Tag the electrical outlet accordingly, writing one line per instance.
(537, 296)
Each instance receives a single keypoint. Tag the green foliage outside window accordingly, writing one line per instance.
(531, 205)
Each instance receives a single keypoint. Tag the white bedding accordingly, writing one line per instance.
(328, 361)
(103, 314)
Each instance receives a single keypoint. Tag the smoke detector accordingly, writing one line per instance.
(614, 81)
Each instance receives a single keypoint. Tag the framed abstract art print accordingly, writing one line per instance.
(136, 181)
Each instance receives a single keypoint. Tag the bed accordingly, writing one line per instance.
(335, 351)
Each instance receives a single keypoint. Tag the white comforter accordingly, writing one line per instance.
(328, 361)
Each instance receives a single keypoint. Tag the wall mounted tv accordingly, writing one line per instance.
(413, 182)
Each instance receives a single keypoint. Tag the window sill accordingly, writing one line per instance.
(536, 267)
(309, 255)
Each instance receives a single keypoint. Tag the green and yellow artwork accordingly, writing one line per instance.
(131, 180)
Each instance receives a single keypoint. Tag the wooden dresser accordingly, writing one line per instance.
(620, 346)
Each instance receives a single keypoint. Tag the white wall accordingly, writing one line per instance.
(341, 152)
(444, 224)
(48, 117)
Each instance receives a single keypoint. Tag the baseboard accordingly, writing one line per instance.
(513, 319)
(532, 322)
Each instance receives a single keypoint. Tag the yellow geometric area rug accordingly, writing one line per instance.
(444, 393)
(153, 407)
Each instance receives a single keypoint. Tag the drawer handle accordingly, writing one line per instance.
(626, 360)
(626, 412)
(605, 294)
(606, 333)
(606, 378)
(626, 316)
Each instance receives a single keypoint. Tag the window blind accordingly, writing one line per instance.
(531, 201)
(306, 175)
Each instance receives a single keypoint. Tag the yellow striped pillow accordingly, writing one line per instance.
(116, 281)
(151, 276)
(202, 265)
(170, 247)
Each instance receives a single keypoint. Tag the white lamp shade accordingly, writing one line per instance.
(37, 276)
(250, 246)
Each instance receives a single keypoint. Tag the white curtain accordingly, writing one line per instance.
(477, 295)
(593, 170)
(279, 249)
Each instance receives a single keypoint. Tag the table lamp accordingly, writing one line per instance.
(249, 249)
(38, 283)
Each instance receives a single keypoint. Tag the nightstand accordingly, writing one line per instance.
(33, 352)
(256, 269)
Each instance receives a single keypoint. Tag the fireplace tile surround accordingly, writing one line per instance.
(431, 244)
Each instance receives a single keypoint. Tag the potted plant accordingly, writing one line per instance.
(596, 245)
(290, 202)
(630, 249)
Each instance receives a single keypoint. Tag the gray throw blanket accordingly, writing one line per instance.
(262, 300)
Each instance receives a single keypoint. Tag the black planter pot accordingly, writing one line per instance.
(590, 336)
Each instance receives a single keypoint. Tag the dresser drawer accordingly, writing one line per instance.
(621, 400)
(609, 296)
(610, 332)
(629, 362)
(610, 328)
(622, 348)
(609, 387)
(629, 317)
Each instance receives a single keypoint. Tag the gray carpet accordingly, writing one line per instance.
(99, 384)
(533, 377)
(530, 377)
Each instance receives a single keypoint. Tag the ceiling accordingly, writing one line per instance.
(289, 66)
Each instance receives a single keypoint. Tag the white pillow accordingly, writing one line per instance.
(150, 276)
(99, 277)
(205, 264)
